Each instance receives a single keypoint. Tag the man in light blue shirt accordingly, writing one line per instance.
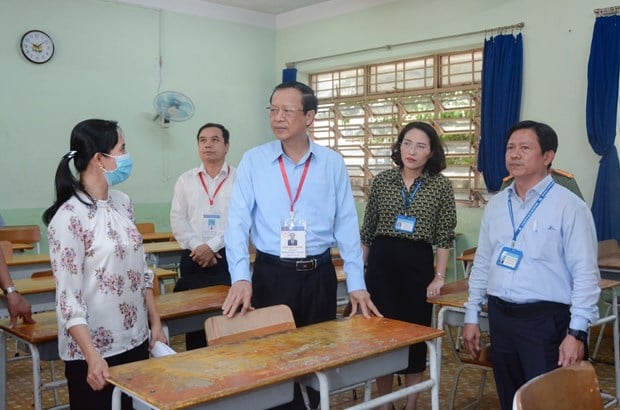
(536, 265)
(292, 185)
(270, 188)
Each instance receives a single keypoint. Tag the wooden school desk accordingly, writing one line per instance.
(186, 311)
(329, 354)
(610, 266)
(23, 265)
(180, 312)
(166, 253)
(452, 313)
(39, 292)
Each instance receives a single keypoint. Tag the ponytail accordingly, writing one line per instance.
(87, 138)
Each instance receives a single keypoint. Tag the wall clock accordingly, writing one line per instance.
(37, 46)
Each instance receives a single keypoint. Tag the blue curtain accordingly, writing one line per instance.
(502, 73)
(601, 121)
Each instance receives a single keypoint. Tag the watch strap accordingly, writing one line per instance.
(580, 335)
(10, 289)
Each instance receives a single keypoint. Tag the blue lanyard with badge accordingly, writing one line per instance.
(404, 223)
(510, 257)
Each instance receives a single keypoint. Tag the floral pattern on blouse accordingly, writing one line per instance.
(101, 275)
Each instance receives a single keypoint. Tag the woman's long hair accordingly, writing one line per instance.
(87, 138)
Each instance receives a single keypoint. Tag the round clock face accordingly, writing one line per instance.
(37, 47)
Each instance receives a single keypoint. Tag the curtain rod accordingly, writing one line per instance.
(607, 11)
(388, 47)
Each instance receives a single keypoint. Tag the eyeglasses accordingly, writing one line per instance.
(410, 146)
(287, 112)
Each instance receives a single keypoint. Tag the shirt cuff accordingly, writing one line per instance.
(579, 323)
(472, 316)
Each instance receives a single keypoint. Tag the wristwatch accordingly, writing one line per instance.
(10, 289)
(579, 335)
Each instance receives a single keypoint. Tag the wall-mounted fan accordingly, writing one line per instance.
(172, 106)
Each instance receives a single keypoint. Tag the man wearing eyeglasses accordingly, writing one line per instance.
(292, 185)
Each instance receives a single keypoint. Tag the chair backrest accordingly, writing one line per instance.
(29, 234)
(7, 250)
(41, 274)
(572, 387)
(258, 322)
(146, 227)
(608, 247)
(469, 251)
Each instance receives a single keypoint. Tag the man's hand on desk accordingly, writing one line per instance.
(471, 339)
(204, 256)
(361, 298)
(19, 308)
(239, 295)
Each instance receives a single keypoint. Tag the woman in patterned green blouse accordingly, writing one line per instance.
(410, 209)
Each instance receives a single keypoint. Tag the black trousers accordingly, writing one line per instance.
(82, 396)
(525, 341)
(193, 276)
(311, 295)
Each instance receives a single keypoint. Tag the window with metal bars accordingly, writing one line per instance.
(362, 109)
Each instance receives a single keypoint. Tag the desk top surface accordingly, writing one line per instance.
(458, 299)
(198, 376)
(179, 304)
(28, 286)
(169, 306)
(161, 247)
(28, 259)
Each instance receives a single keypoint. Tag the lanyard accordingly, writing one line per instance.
(288, 186)
(217, 189)
(409, 200)
(529, 213)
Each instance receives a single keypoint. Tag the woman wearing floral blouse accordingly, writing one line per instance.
(410, 209)
(104, 295)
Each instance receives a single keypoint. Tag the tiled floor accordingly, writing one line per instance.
(20, 382)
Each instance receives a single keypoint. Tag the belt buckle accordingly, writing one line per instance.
(307, 265)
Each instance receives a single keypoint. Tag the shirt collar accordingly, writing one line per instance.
(277, 151)
(223, 172)
(535, 190)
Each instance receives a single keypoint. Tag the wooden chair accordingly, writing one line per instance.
(258, 322)
(145, 227)
(29, 234)
(573, 387)
(467, 266)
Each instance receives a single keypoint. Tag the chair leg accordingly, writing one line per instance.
(455, 387)
(599, 338)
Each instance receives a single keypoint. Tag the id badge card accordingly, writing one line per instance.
(212, 223)
(293, 238)
(405, 224)
(509, 258)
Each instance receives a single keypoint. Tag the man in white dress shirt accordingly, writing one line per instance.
(198, 217)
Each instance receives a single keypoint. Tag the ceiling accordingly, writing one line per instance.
(268, 6)
(266, 13)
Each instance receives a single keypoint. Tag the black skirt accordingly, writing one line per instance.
(398, 273)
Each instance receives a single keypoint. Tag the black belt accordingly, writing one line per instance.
(525, 309)
(308, 263)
